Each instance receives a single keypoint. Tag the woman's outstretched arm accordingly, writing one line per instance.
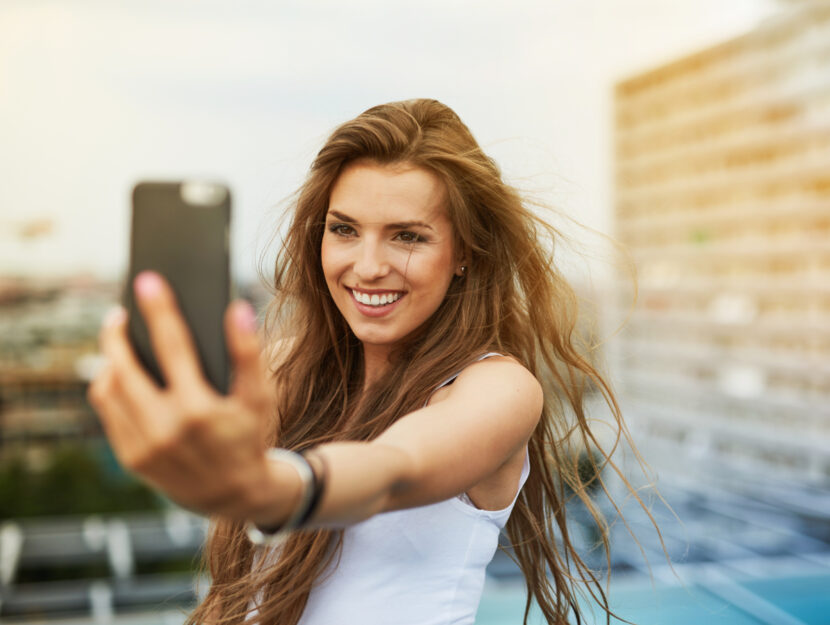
(207, 451)
(481, 424)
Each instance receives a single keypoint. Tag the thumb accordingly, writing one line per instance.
(249, 379)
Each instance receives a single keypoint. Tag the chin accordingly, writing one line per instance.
(379, 336)
(378, 340)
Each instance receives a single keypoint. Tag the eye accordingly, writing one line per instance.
(343, 230)
(408, 236)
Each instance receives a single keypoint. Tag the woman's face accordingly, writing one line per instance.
(387, 251)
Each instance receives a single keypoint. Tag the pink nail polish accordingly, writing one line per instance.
(245, 317)
(147, 284)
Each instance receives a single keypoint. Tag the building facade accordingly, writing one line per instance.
(723, 201)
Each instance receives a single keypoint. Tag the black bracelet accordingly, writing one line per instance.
(318, 487)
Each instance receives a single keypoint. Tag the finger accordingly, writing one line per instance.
(128, 442)
(134, 383)
(136, 450)
(249, 370)
(171, 338)
(131, 440)
(115, 418)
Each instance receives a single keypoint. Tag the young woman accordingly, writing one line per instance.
(424, 364)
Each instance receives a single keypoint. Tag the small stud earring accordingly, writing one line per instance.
(463, 269)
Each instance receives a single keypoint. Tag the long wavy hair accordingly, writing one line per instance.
(512, 300)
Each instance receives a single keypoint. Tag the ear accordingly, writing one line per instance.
(462, 256)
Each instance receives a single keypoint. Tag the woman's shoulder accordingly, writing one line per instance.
(496, 377)
(497, 364)
(502, 368)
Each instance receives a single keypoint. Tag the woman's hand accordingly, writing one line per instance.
(204, 450)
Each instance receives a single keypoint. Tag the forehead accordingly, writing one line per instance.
(371, 192)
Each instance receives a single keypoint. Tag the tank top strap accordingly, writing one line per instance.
(451, 379)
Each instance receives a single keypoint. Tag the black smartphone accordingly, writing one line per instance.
(182, 231)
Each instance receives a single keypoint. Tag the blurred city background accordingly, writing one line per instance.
(696, 134)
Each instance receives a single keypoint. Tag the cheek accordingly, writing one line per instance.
(434, 275)
(445, 265)
(329, 262)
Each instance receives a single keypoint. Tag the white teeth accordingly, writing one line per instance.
(376, 300)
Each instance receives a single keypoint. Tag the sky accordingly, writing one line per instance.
(96, 95)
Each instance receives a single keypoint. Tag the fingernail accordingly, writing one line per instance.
(147, 284)
(245, 317)
(114, 315)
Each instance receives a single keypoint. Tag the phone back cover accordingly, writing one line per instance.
(188, 245)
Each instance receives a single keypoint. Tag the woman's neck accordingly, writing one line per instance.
(375, 363)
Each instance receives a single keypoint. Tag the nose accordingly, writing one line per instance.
(371, 262)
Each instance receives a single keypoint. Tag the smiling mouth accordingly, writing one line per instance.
(377, 299)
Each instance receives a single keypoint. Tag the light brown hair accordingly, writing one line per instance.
(512, 300)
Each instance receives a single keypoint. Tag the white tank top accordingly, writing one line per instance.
(419, 566)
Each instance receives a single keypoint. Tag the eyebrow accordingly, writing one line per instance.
(395, 226)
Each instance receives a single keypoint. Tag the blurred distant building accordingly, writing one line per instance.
(723, 199)
(48, 351)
